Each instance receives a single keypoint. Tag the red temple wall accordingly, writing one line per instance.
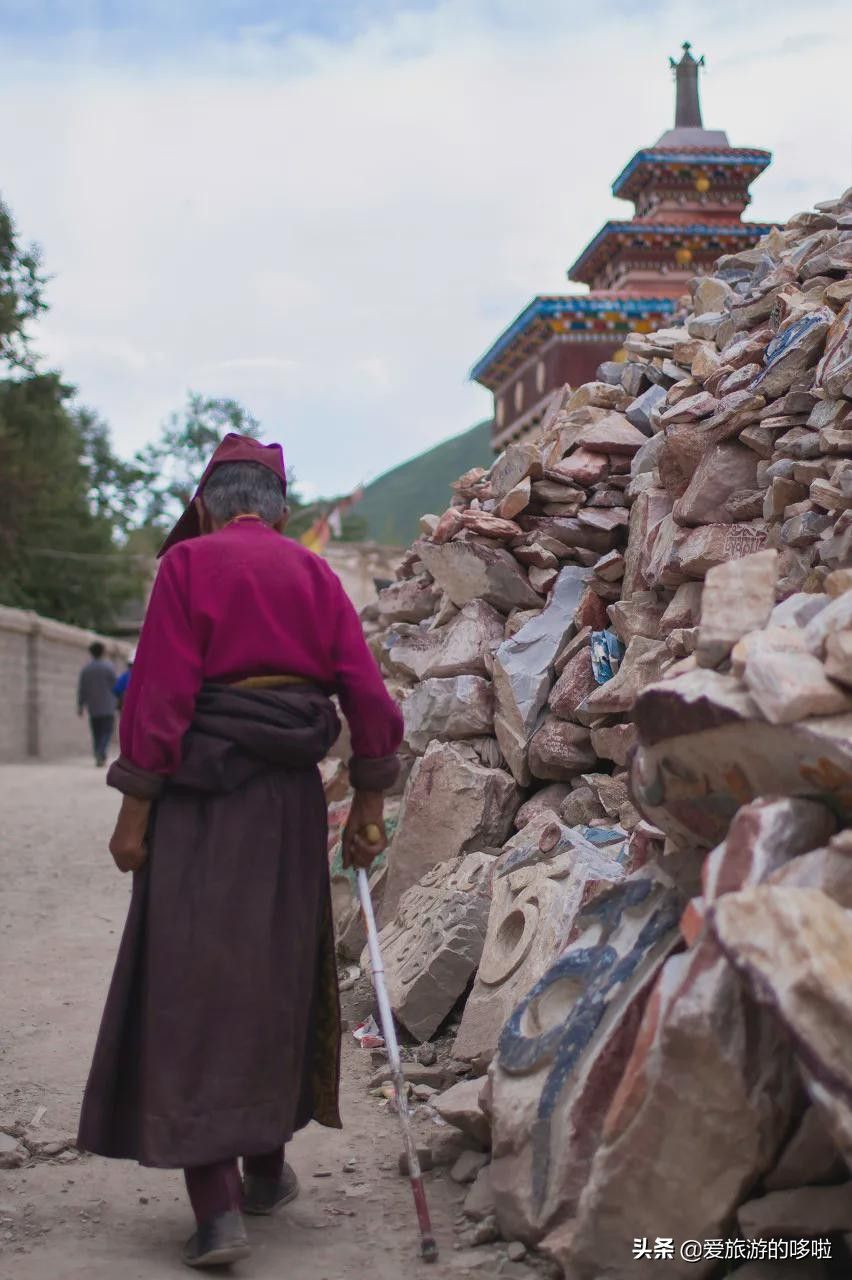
(564, 361)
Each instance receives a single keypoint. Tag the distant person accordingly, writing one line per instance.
(95, 695)
(120, 686)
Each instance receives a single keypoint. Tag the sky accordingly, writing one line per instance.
(328, 209)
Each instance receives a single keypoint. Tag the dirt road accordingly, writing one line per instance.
(63, 1216)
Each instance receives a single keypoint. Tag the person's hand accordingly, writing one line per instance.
(127, 846)
(364, 836)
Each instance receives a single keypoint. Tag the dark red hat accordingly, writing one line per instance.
(234, 448)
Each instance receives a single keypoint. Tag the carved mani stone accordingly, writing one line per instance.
(709, 1091)
(537, 893)
(452, 805)
(562, 1052)
(433, 945)
(692, 785)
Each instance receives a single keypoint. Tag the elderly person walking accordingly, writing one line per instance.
(221, 1032)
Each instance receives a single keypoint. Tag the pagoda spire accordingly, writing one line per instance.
(687, 104)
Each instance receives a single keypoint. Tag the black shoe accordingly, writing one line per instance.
(218, 1242)
(266, 1195)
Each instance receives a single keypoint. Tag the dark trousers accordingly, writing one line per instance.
(216, 1188)
(102, 729)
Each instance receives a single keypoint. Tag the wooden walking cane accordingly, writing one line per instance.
(428, 1247)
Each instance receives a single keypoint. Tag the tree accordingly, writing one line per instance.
(170, 468)
(58, 549)
(21, 298)
(114, 485)
(65, 499)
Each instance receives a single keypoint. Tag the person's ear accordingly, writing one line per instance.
(281, 524)
(205, 524)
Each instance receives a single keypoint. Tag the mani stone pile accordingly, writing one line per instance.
(623, 855)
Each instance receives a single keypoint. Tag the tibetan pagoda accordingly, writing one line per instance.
(689, 191)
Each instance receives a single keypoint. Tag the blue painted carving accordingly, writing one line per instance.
(603, 973)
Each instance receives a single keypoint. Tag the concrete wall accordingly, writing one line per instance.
(359, 564)
(40, 661)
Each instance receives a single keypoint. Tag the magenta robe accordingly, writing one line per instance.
(246, 602)
(221, 1031)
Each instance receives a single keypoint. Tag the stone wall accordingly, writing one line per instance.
(40, 660)
(631, 640)
(359, 565)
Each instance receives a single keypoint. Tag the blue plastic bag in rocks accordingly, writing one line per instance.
(607, 652)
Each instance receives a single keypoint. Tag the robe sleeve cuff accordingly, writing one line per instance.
(128, 778)
(379, 773)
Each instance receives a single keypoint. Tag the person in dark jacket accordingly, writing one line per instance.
(95, 695)
(221, 1033)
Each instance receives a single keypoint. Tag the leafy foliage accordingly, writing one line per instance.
(21, 299)
(114, 485)
(58, 551)
(170, 468)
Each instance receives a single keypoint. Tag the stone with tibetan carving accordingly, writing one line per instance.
(738, 597)
(714, 544)
(575, 683)
(470, 571)
(564, 1047)
(519, 462)
(432, 947)
(793, 947)
(452, 805)
(559, 750)
(701, 1109)
(725, 469)
(465, 645)
(407, 649)
(690, 783)
(411, 600)
(544, 803)
(449, 709)
(536, 896)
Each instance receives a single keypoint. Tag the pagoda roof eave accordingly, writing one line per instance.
(493, 367)
(743, 156)
(582, 271)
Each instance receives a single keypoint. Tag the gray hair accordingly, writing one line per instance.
(243, 488)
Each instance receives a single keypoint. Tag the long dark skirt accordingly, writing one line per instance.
(221, 1032)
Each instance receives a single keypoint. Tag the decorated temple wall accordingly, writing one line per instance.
(563, 360)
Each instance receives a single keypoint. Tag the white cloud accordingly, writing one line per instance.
(333, 233)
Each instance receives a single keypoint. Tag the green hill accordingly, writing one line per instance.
(393, 504)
